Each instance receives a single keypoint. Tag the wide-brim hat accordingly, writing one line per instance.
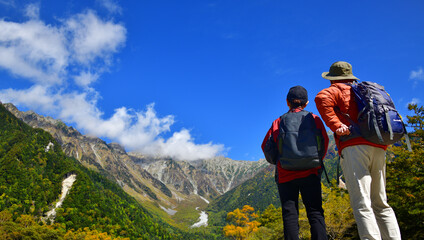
(339, 71)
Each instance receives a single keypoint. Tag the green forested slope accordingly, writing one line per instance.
(258, 192)
(31, 181)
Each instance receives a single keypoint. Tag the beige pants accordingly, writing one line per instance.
(364, 168)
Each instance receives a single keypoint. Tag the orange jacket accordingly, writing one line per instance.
(338, 95)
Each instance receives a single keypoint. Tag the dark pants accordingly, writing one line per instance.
(310, 189)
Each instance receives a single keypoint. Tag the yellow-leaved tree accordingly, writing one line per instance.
(338, 213)
(88, 234)
(242, 223)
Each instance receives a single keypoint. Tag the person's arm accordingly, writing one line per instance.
(269, 144)
(325, 102)
(321, 127)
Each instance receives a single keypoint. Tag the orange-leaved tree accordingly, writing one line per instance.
(242, 223)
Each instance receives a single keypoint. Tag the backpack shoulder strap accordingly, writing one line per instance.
(375, 124)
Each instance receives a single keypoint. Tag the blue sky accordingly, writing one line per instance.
(195, 79)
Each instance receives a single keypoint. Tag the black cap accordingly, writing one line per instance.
(299, 93)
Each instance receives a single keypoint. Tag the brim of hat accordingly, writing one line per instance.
(335, 78)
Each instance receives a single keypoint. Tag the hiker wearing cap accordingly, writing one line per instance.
(296, 143)
(363, 162)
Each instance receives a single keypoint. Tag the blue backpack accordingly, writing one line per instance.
(378, 120)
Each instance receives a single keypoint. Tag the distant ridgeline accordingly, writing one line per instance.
(32, 168)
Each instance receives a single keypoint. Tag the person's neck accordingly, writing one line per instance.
(300, 108)
(343, 81)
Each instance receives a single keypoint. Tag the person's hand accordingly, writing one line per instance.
(343, 130)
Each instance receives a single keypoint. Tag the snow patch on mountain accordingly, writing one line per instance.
(66, 186)
(203, 220)
(170, 211)
(49, 146)
(204, 199)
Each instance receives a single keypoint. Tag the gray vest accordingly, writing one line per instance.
(299, 141)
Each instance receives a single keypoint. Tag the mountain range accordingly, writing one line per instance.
(161, 184)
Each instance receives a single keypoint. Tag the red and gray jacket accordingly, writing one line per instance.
(287, 156)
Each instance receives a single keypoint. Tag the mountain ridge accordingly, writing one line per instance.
(162, 181)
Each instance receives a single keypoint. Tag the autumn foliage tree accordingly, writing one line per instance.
(338, 213)
(88, 234)
(270, 216)
(242, 223)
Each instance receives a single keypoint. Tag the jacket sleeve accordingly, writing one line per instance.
(269, 144)
(326, 101)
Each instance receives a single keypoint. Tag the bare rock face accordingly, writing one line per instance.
(207, 178)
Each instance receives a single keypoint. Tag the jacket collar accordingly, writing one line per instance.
(295, 110)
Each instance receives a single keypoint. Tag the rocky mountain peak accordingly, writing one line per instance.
(117, 148)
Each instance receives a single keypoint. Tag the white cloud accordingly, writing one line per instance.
(86, 78)
(37, 97)
(93, 38)
(111, 6)
(182, 146)
(78, 50)
(43, 52)
(146, 127)
(8, 2)
(417, 75)
(33, 50)
(32, 11)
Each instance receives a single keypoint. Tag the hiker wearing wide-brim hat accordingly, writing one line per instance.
(363, 162)
(339, 71)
